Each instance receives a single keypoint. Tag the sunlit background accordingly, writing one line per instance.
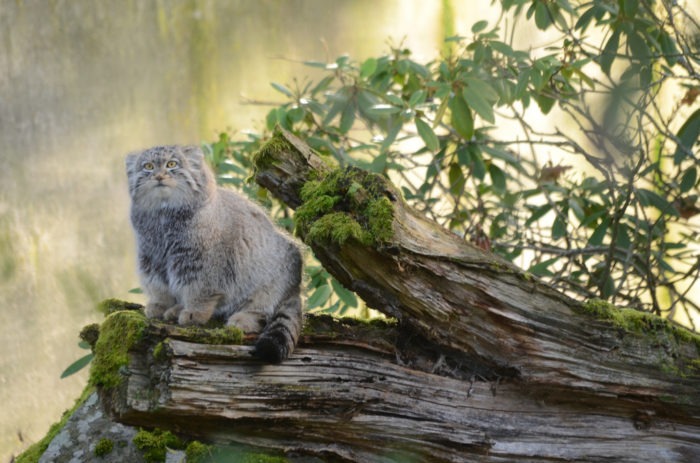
(81, 84)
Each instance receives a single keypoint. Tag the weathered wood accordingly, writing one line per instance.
(467, 300)
(485, 364)
(338, 397)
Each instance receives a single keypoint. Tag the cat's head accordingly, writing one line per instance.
(169, 176)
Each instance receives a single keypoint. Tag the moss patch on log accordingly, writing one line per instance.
(208, 335)
(119, 332)
(682, 345)
(266, 156)
(636, 321)
(346, 204)
(109, 306)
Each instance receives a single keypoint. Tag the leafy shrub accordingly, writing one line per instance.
(598, 203)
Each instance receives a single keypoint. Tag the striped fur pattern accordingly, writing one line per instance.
(206, 252)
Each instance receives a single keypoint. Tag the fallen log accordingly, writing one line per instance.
(485, 363)
(344, 393)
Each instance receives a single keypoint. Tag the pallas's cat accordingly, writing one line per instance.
(205, 251)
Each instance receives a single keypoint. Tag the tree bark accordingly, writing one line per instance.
(485, 363)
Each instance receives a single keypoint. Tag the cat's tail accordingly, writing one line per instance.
(280, 335)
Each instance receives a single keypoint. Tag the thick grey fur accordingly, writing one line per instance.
(205, 251)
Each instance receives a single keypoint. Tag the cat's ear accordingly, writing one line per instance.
(131, 162)
(194, 154)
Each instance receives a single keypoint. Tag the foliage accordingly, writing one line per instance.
(598, 203)
(155, 444)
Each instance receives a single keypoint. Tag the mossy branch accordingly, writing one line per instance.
(461, 298)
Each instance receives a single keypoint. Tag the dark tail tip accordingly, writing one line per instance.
(272, 347)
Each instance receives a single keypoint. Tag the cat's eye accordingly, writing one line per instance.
(148, 166)
(171, 164)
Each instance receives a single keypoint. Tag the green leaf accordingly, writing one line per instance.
(478, 166)
(538, 213)
(347, 118)
(638, 47)
(483, 88)
(476, 101)
(523, 81)
(78, 365)
(136, 291)
(393, 99)
(479, 26)
(498, 178)
(542, 268)
(322, 85)
(575, 206)
(378, 164)
(545, 103)
(296, 114)
(346, 296)
(319, 297)
(651, 198)
(609, 52)
(318, 64)
(390, 137)
(543, 18)
(558, 227)
(462, 119)
(418, 97)
(368, 67)
(630, 7)
(599, 233)
(384, 109)
(585, 19)
(687, 135)
(689, 179)
(426, 133)
(282, 89)
(501, 47)
(457, 180)
(281, 116)
(668, 48)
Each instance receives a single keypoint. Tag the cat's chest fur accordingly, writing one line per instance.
(167, 244)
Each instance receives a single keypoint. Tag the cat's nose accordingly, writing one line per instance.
(160, 176)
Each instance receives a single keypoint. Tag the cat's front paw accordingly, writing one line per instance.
(173, 313)
(192, 317)
(248, 322)
(155, 310)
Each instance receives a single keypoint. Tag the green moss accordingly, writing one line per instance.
(34, 452)
(265, 157)
(154, 444)
(204, 335)
(681, 348)
(336, 227)
(636, 321)
(104, 447)
(381, 216)
(90, 334)
(197, 452)
(109, 306)
(119, 332)
(160, 350)
(347, 204)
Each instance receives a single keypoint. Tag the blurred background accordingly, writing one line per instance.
(82, 83)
